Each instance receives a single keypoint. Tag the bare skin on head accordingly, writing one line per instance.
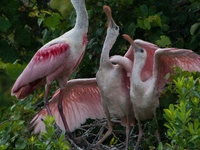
(111, 81)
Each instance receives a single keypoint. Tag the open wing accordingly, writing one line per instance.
(44, 62)
(167, 58)
(81, 100)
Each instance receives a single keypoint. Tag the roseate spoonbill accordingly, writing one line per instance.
(55, 60)
(81, 100)
(145, 94)
(111, 81)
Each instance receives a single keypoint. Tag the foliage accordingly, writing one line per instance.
(27, 25)
(183, 117)
(49, 139)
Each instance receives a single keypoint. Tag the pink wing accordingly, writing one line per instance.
(81, 100)
(148, 67)
(166, 59)
(43, 63)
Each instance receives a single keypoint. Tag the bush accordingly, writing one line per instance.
(183, 118)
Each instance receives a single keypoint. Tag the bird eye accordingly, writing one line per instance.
(116, 27)
(141, 50)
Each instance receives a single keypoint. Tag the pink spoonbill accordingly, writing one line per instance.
(81, 100)
(145, 94)
(56, 60)
(111, 80)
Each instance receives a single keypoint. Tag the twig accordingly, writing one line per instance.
(5, 121)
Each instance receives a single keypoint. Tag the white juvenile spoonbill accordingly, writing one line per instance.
(81, 100)
(145, 94)
(56, 60)
(111, 81)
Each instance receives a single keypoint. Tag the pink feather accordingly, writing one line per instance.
(81, 100)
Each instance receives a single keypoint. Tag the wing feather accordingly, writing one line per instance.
(81, 100)
(167, 58)
(43, 63)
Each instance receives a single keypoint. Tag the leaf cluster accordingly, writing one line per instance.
(183, 118)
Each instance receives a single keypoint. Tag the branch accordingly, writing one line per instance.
(181, 3)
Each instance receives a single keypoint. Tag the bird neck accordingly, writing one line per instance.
(136, 72)
(82, 15)
(108, 43)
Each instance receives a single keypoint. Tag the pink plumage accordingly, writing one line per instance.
(43, 64)
(56, 60)
(145, 93)
(148, 67)
(166, 59)
(81, 100)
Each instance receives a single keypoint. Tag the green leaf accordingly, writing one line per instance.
(20, 144)
(178, 69)
(12, 7)
(154, 36)
(130, 1)
(196, 124)
(99, 31)
(164, 41)
(5, 24)
(40, 20)
(155, 20)
(132, 28)
(144, 9)
(141, 23)
(152, 10)
(14, 70)
(3, 126)
(193, 138)
(160, 146)
(90, 13)
(147, 24)
(46, 36)
(194, 28)
(167, 76)
(100, 4)
(52, 21)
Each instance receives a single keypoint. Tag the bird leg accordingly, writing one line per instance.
(157, 132)
(107, 133)
(46, 103)
(127, 131)
(68, 132)
(158, 135)
(60, 108)
(139, 135)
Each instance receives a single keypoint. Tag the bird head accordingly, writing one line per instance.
(146, 45)
(112, 27)
(139, 52)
